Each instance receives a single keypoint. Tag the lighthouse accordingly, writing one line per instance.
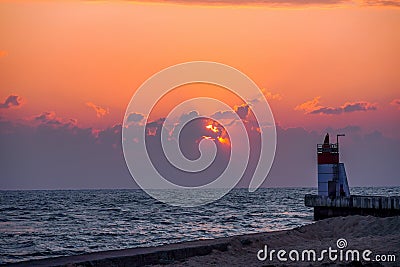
(334, 197)
(332, 179)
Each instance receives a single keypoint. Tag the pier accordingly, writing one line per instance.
(379, 206)
(334, 198)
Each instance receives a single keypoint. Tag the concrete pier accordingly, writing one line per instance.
(326, 207)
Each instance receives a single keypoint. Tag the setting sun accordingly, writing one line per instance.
(223, 140)
(212, 128)
(221, 137)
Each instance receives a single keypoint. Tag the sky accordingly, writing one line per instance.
(68, 70)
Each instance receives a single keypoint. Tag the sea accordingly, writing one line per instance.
(50, 223)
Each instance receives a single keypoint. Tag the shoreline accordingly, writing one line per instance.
(380, 235)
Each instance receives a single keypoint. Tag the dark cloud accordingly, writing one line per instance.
(256, 2)
(188, 141)
(48, 157)
(68, 156)
(11, 101)
(396, 103)
(368, 157)
(285, 3)
(313, 107)
(110, 136)
(295, 161)
(326, 110)
(188, 116)
(221, 115)
(135, 117)
(45, 116)
(394, 3)
(350, 129)
(49, 118)
(242, 111)
(358, 106)
(154, 128)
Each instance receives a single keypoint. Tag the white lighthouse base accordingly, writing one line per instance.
(332, 180)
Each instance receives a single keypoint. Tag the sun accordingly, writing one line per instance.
(221, 135)
(212, 128)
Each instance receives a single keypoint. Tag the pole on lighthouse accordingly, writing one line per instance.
(337, 142)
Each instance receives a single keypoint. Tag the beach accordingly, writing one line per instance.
(380, 236)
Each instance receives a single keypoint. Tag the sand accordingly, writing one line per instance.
(379, 235)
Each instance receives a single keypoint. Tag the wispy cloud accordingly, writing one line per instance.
(284, 3)
(135, 117)
(358, 106)
(310, 105)
(267, 95)
(313, 107)
(396, 103)
(100, 111)
(271, 96)
(253, 2)
(45, 116)
(223, 115)
(395, 3)
(11, 101)
(49, 118)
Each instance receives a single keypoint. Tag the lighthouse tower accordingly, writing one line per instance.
(332, 179)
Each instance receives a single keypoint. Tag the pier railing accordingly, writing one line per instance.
(330, 148)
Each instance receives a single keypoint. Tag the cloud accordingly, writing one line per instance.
(358, 106)
(271, 96)
(350, 129)
(396, 103)
(154, 128)
(46, 157)
(11, 101)
(313, 107)
(188, 116)
(49, 118)
(242, 111)
(327, 110)
(309, 106)
(267, 95)
(45, 116)
(100, 112)
(394, 3)
(135, 117)
(255, 2)
(188, 141)
(223, 115)
(285, 3)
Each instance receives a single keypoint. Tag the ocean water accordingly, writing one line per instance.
(42, 224)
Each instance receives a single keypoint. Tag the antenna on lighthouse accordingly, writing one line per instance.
(337, 141)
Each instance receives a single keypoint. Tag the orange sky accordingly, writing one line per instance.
(59, 56)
